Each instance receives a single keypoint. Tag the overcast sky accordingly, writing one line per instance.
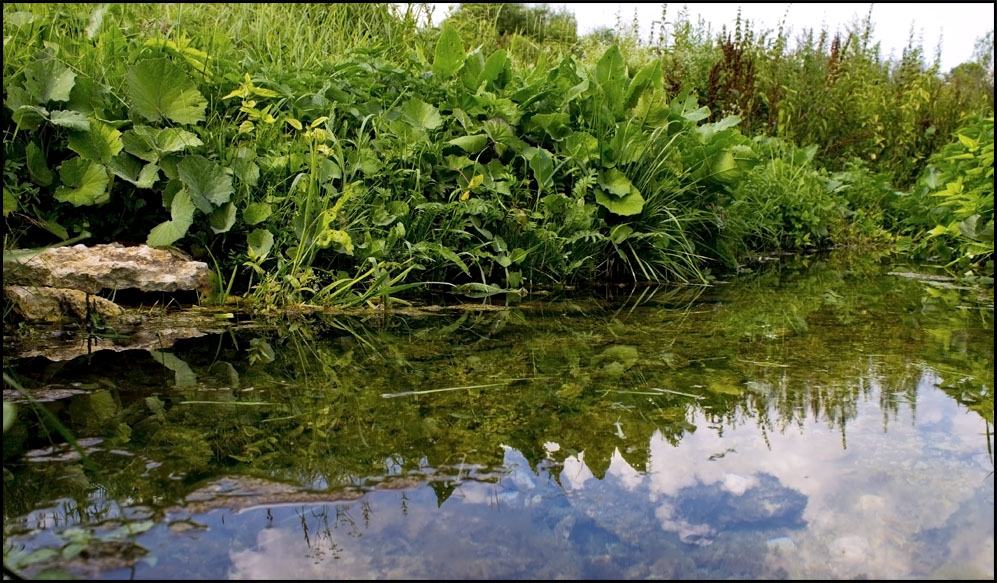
(958, 25)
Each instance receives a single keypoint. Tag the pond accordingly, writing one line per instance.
(822, 418)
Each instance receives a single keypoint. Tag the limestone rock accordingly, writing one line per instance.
(48, 304)
(112, 266)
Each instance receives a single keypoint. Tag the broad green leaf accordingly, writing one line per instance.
(555, 124)
(697, 115)
(130, 169)
(9, 414)
(723, 167)
(938, 231)
(430, 250)
(715, 131)
(449, 53)
(576, 91)
(610, 67)
(28, 117)
(56, 229)
(172, 188)
(329, 170)
(328, 237)
(18, 97)
(746, 158)
(457, 162)
(169, 140)
(247, 171)
(471, 144)
(48, 80)
(152, 144)
(9, 202)
(581, 147)
(649, 77)
(630, 204)
(73, 120)
(542, 164)
(256, 213)
(139, 143)
(158, 89)
(501, 133)
(37, 167)
(494, 66)
(470, 73)
(83, 183)
(969, 143)
(421, 115)
(87, 96)
(182, 213)
(260, 242)
(611, 75)
(205, 182)
(969, 226)
(501, 107)
(222, 219)
(615, 182)
(100, 144)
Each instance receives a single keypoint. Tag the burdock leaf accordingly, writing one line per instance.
(159, 89)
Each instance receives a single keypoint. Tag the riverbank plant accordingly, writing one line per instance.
(352, 149)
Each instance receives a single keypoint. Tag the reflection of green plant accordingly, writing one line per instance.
(76, 542)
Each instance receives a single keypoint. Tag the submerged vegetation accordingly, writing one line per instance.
(351, 153)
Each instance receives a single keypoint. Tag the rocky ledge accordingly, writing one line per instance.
(41, 284)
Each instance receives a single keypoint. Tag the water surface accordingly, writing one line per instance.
(824, 419)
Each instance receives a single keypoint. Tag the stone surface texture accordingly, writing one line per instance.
(112, 266)
(48, 304)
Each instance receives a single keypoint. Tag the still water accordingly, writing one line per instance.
(815, 420)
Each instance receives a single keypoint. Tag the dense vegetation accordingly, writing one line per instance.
(337, 153)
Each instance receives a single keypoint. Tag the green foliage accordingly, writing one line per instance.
(833, 89)
(784, 204)
(508, 23)
(449, 52)
(83, 183)
(99, 144)
(182, 216)
(950, 212)
(158, 90)
(352, 148)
